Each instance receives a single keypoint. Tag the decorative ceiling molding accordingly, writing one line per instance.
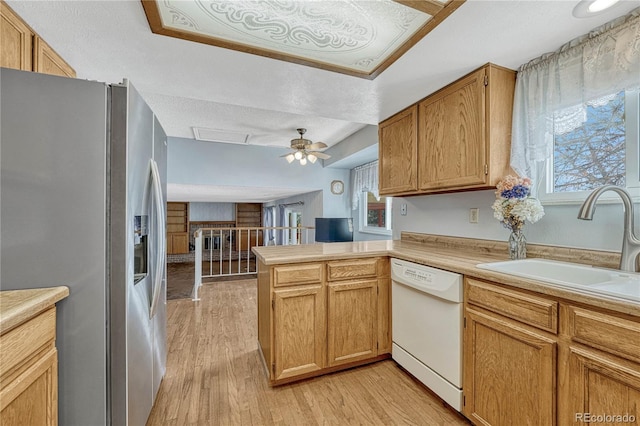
(358, 38)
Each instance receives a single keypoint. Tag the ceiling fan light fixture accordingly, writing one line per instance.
(290, 158)
(297, 155)
(303, 161)
(312, 158)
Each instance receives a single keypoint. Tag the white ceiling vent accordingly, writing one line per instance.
(224, 136)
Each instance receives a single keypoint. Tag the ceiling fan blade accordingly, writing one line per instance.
(321, 155)
(286, 155)
(317, 145)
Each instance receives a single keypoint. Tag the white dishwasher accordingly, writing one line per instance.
(427, 327)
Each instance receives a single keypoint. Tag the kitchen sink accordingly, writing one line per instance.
(585, 278)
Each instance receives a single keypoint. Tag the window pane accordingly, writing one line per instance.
(376, 211)
(592, 154)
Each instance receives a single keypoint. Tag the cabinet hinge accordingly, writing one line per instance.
(464, 400)
(486, 80)
(486, 169)
(273, 304)
(465, 322)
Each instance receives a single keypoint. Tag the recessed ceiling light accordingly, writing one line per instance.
(588, 8)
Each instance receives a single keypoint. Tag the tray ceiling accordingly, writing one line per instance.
(359, 38)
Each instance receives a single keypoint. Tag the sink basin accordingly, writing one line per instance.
(584, 278)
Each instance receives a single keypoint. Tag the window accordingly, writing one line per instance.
(375, 215)
(601, 149)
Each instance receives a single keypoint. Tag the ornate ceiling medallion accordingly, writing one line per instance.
(359, 38)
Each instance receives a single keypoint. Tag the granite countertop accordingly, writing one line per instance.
(459, 259)
(17, 306)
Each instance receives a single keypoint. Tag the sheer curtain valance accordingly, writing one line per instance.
(552, 91)
(364, 178)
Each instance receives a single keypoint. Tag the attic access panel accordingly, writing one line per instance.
(353, 37)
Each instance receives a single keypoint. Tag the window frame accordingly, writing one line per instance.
(364, 208)
(544, 190)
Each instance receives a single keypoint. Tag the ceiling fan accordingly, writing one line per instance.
(305, 150)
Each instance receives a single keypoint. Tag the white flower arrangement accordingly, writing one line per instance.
(514, 204)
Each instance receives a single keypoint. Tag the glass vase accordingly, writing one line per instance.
(517, 245)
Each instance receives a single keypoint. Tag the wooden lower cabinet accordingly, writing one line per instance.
(352, 321)
(534, 359)
(32, 399)
(298, 330)
(178, 243)
(509, 372)
(310, 325)
(28, 357)
(602, 385)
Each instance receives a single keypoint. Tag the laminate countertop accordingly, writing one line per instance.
(17, 306)
(460, 259)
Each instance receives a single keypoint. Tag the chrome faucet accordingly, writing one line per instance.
(630, 243)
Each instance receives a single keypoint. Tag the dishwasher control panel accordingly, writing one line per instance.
(418, 275)
(437, 282)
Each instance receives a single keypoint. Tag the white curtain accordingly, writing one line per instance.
(269, 221)
(364, 178)
(551, 91)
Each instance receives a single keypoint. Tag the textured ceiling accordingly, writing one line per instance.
(191, 84)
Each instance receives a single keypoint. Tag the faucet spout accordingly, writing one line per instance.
(630, 243)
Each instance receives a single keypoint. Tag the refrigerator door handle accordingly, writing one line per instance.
(161, 237)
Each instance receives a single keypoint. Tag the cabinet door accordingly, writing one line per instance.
(15, 40)
(32, 398)
(397, 159)
(352, 325)
(451, 125)
(47, 61)
(299, 333)
(509, 372)
(602, 385)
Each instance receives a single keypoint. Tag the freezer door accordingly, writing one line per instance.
(133, 346)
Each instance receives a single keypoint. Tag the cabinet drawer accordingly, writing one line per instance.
(25, 340)
(528, 309)
(611, 334)
(297, 274)
(350, 269)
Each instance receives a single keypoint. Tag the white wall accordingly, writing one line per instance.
(203, 212)
(312, 208)
(192, 162)
(448, 214)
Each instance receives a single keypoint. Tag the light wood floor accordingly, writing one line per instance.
(215, 376)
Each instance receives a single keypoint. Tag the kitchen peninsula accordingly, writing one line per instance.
(311, 297)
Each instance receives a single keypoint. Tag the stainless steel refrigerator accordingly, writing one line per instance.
(82, 184)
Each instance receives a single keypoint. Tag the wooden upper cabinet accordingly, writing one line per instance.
(24, 50)
(451, 143)
(397, 159)
(47, 61)
(458, 138)
(464, 132)
(15, 40)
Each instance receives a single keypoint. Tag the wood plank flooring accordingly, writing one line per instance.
(215, 376)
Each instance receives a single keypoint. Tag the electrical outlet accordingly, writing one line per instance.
(473, 215)
(403, 210)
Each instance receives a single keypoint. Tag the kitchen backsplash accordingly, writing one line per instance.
(448, 214)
